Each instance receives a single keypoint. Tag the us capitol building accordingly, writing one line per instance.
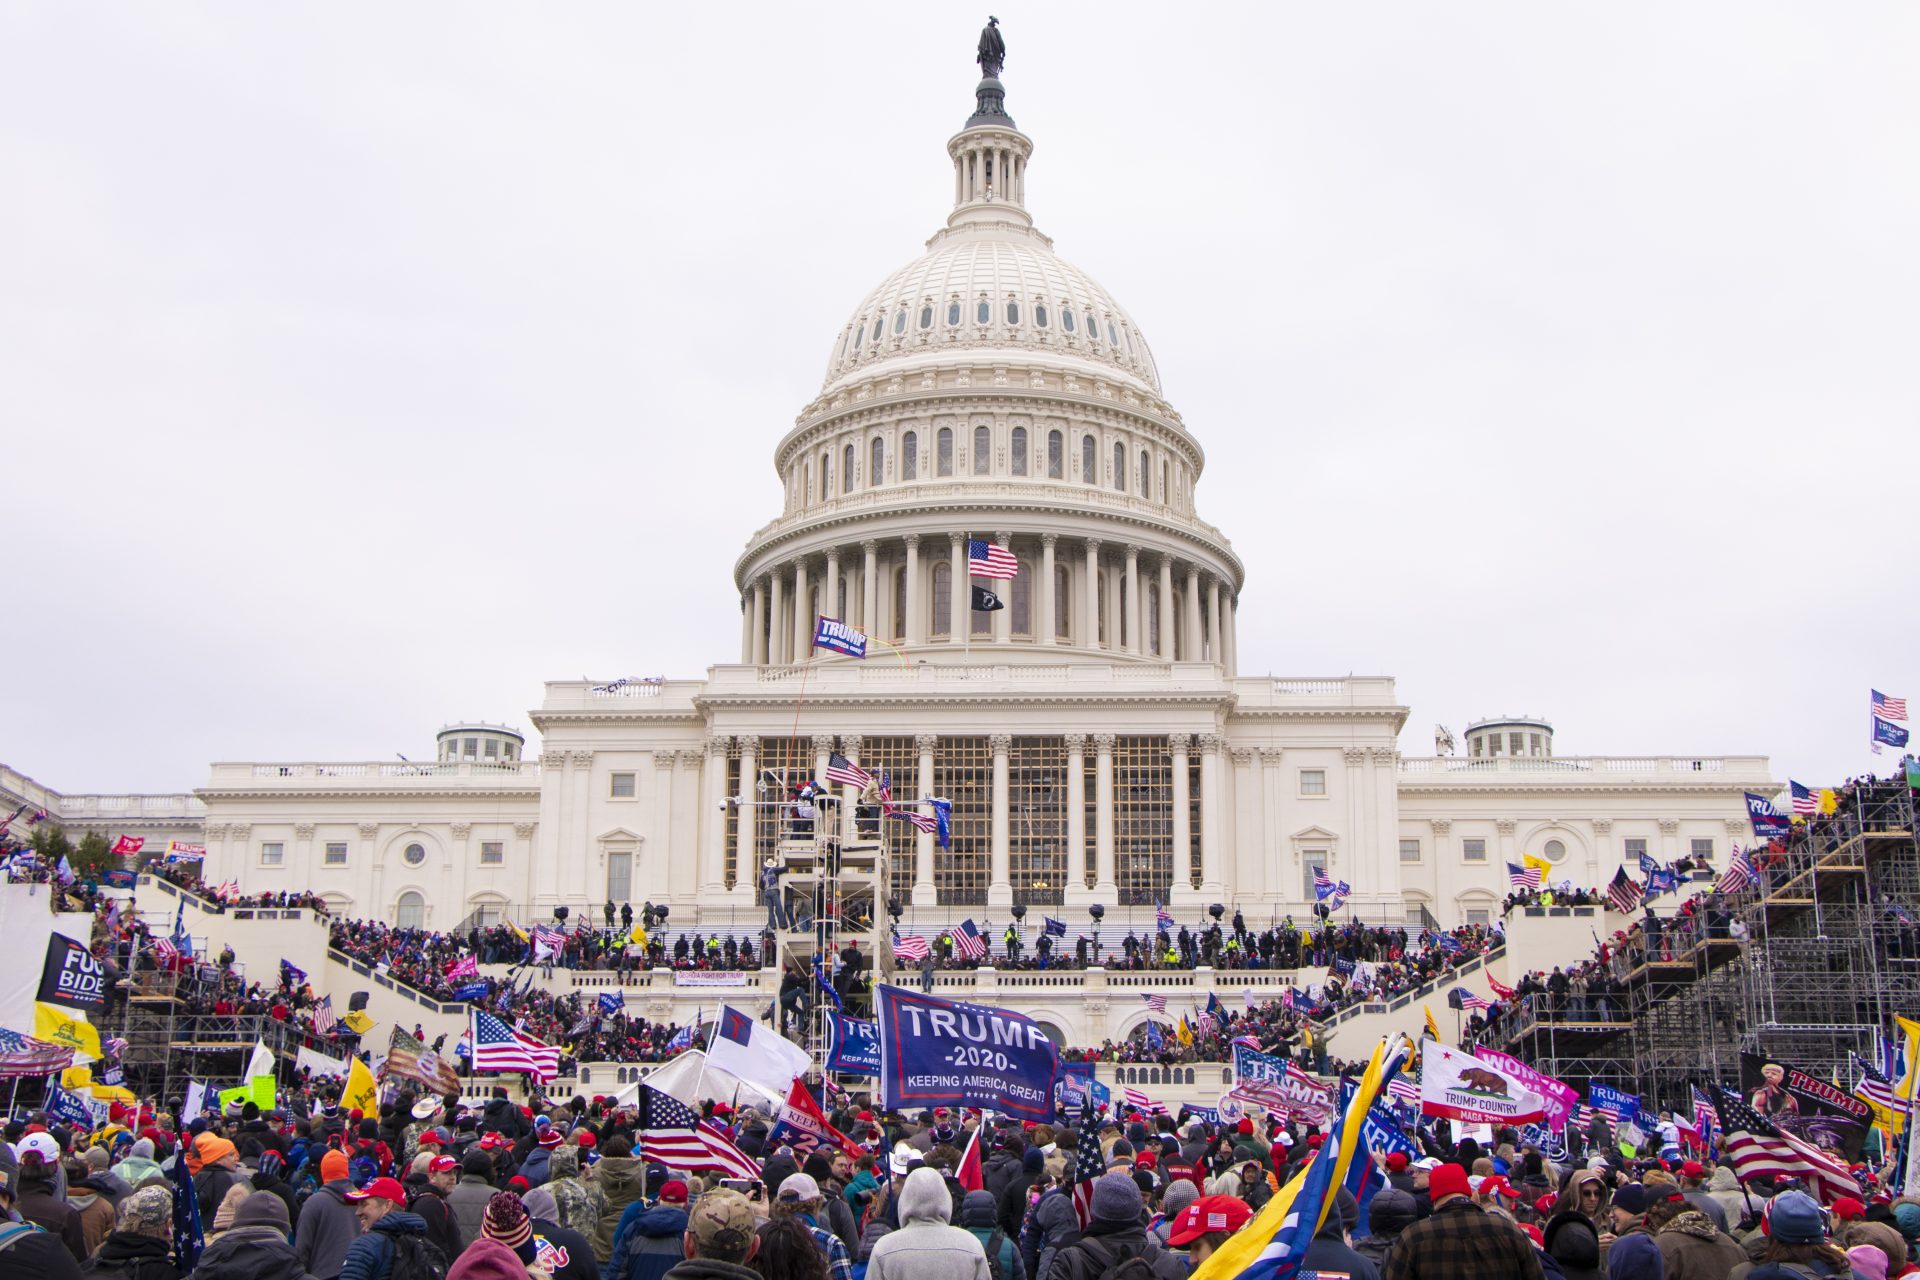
(1095, 736)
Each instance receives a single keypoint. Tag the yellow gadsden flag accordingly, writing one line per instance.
(361, 1093)
(1433, 1028)
(1539, 863)
(357, 1022)
(67, 1028)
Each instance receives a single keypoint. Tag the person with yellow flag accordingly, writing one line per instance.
(360, 1092)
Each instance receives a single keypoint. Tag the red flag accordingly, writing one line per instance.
(800, 1098)
(970, 1175)
(1500, 988)
(126, 846)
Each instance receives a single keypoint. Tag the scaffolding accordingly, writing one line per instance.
(169, 1043)
(1808, 966)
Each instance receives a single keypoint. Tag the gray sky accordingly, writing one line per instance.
(364, 365)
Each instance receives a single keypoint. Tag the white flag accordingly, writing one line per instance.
(1458, 1086)
(760, 1055)
(260, 1064)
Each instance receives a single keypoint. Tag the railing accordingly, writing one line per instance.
(130, 807)
(405, 990)
(389, 770)
(1754, 767)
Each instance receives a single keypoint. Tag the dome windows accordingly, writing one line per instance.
(1013, 312)
(1119, 466)
(876, 462)
(953, 312)
(1089, 461)
(846, 469)
(1017, 451)
(1039, 315)
(900, 321)
(1113, 335)
(879, 325)
(926, 316)
(910, 456)
(983, 314)
(1066, 319)
(943, 452)
(1054, 447)
(982, 450)
(1146, 473)
(1093, 327)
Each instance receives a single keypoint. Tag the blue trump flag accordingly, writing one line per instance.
(1889, 733)
(613, 1002)
(943, 823)
(831, 633)
(472, 991)
(1768, 823)
(853, 1046)
(1620, 1106)
(943, 1053)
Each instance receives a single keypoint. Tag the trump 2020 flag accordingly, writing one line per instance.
(1768, 822)
(833, 634)
(1455, 1085)
(942, 1053)
(756, 1054)
(1886, 732)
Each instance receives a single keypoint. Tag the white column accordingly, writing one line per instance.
(746, 625)
(1043, 625)
(802, 614)
(916, 623)
(713, 818)
(1134, 613)
(1000, 885)
(1104, 888)
(1211, 814)
(1116, 578)
(924, 893)
(1215, 653)
(870, 588)
(1177, 745)
(851, 745)
(758, 654)
(1230, 607)
(830, 590)
(1090, 638)
(1166, 648)
(1076, 817)
(962, 629)
(746, 866)
(777, 632)
(1003, 618)
(1190, 645)
(822, 748)
(580, 856)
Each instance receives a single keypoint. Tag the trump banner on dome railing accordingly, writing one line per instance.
(943, 1053)
(1455, 1085)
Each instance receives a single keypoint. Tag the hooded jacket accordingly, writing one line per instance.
(980, 1218)
(38, 1204)
(1694, 1249)
(468, 1203)
(127, 1255)
(646, 1244)
(924, 1246)
(1634, 1257)
(96, 1215)
(1724, 1186)
(327, 1226)
(1572, 1242)
(371, 1256)
(1058, 1227)
(1329, 1250)
(624, 1180)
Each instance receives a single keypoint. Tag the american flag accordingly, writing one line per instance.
(912, 947)
(1163, 918)
(550, 941)
(1088, 1164)
(1888, 708)
(886, 789)
(1738, 875)
(165, 952)
(847, 773)
(1156, 1003)
(1404, 1089)
(1523, 877)
(1204, 1023)
(1705, 1118)
(1759, 1150)
(323, 1019)
(24, 1056)
(1141, 1102)
(410, 1058)
(967, 942)
(924, 821)
(499, 1047)
(985, 560)
(1805, 799)
(1468, 1000)
(1623, 894)
(1875, 1087)
(672, 1134)
(1321, 880)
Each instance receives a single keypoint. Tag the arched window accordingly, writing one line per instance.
(1040, 315)
(876, 462)
(1062, 599)
(1066, 319)
(1119, 466)
(1146, 475)
(826, 474)
(1018, 449)
(1022, 601)
(984, 312)
(942, 600)
(900, 320)
(900, 604)
(840, 600)
(1153, 617)
(943, 452)
(1166, 494)
(926, 316)
(879, 323)
(1093, 329)
(410, 912)
(910, 456)
(808, 488)
(953, 312)
(982, 450)
(846, 469)
(1013, 312)
(1089, 471)
(1113, 335)
(1054, 446)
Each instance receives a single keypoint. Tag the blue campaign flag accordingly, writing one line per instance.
(119, 878)
(471, 992)
(944, 1053)
(1206, 1115)
(70, 1107)
(831, 633)
(1886, 732)
(1768, 823)
(943, 823)
(1155, 1039)
(825, 984)
(1618, 1106)
(1551, 1144)
(1076, 1081)
(613, 1002)
(1342, 965)
(853, 1046)
(1647, 865)
(1662, 881)
(1054, 928)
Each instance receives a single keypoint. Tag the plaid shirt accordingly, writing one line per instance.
(1461, 1242)
(839, 1262)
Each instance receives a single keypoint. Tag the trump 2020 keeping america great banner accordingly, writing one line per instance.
(942, 1053)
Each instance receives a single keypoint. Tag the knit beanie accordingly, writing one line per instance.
(263, 1210)
(506, 1220)
(1179, 1194)
(1116, 1198)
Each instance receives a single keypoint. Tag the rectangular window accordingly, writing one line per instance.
(1037, 805)
(335, 854)
(273, 853)
(1311, 860)
(472, 748)
(492, 853)
(1193, 818)
(1703, 850)
(963, 772)
(1409, 851)
(620, 786)
(1313, 782)
(1090, 815)
(1479, 915)
(619, 877)
(1416, 917)
(493, 748)
(1516, 744)
(1473, 850)
(1142, 819)
(1636, 848)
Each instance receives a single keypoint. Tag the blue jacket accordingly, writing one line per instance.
(646, 1244)
(371, 1256)
(537, 1167)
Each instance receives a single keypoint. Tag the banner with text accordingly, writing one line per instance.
(71, 977)
(832, 634)
(1270, 1081)
(1805, 1105)
(708, 978)
(1561, 1098)
(1455, 1085)
(943, 1053)
(853, 1046)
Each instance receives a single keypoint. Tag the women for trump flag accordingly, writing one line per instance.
(1458, 1086)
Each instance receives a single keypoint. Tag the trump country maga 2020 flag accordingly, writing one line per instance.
(1458, 1086)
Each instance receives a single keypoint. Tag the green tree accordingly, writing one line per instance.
(51, 843)
(93, 856)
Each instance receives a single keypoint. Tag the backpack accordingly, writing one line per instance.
(999, 1267)
(11, 1233)
(1115, 1264)
(417, 1258)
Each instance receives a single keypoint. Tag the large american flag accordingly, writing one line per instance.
(1403, 1088)
(912, 947)
(967, 942)
(1088, 1165)
(985, 560)
(1623, 894)
(924, 821)
(847, 773)
(1887, 707)
(1156, 1003)
(1523, 877)
(1759, 1150)
(672, 1134)
(165, 952)
(1805, 799)
(1163, 918)
(24, 1056)
(1468, 1000)
(323, 1019)
(550, 941)
(1875, 1087)
(1738, 875)
(499, 1047)
(1141, 1102)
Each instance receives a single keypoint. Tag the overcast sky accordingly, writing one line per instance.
(364, 365)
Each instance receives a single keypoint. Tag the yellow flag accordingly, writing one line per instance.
(1829, 800)
(66, 1028)
(1182, 1032)
(1535, 860)
(357, 1022)
(111, 1093)
(76, 1078)
(1433, 1028)
(360, 1094)
(518, 932)
(638, 937)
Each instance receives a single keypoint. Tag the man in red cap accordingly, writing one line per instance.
(1460, 1241)
(443, 1173)
(1204, 1225)
(1693, 1185)
(382, 1207)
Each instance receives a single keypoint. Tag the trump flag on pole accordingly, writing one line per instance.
(1455, 1085)
(942, 1053)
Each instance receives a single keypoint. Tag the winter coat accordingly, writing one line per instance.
(210, 1187)
(1705, 1203)
(1724, 1187)
(38, 1205)
(468, 1200)
(535, 1167)
(624, 1180)
(1058, 1227)
(327, 1226)
(371, 1256)
(1375, 1249)
(1329, 1251)
(1695, 1250)
(646, 1244)
(443, 1232)
(1573, 1243)
(502, 1116)
(1001, 1168)
(124, 1255)
(37, 1255)
(96, 1216)
(1077, 1262)
(250, 1253)
(712, 1269)
(924, 1246)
